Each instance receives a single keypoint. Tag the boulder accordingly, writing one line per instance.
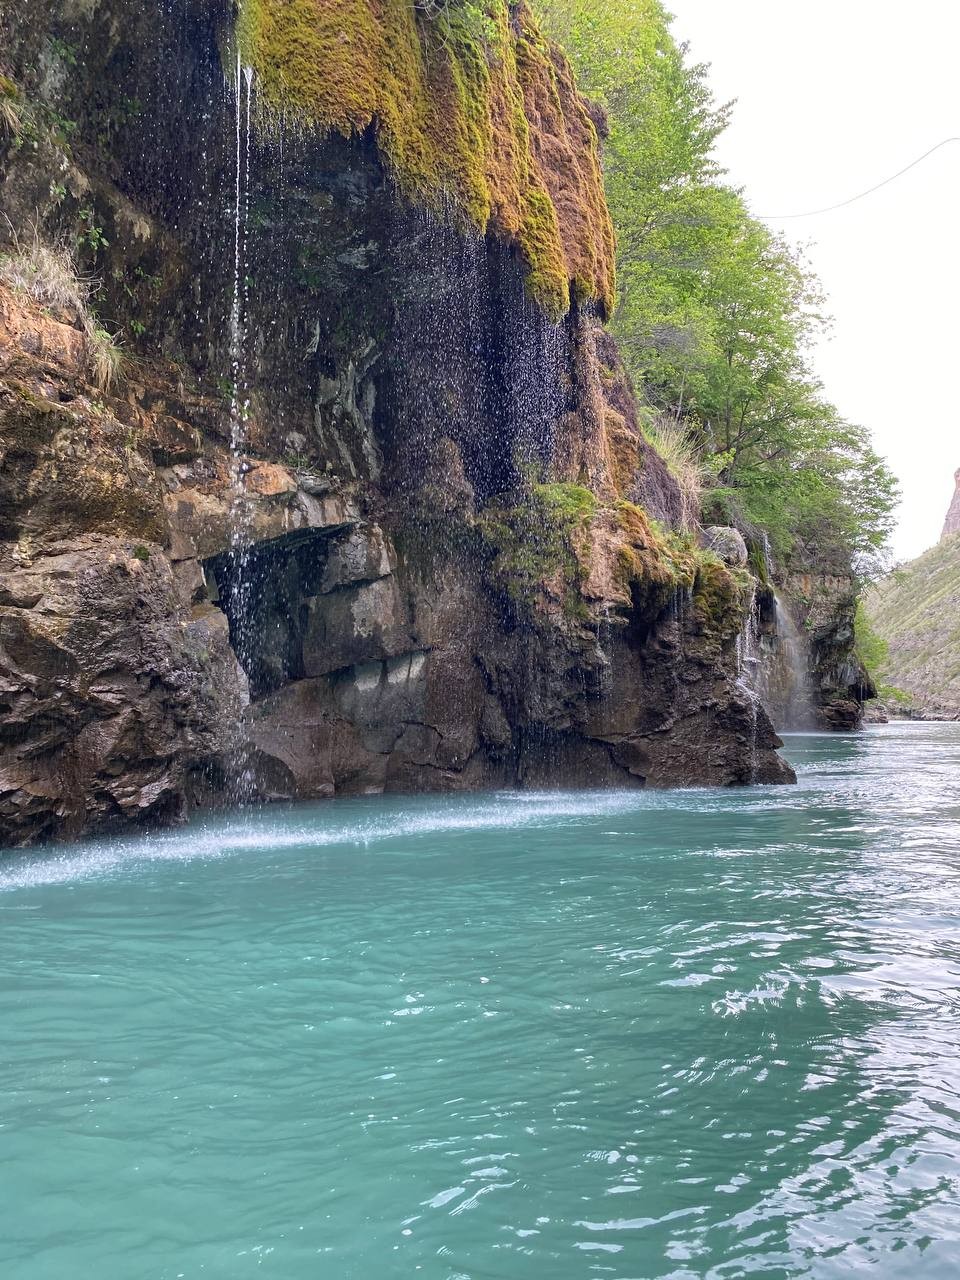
(726, 543)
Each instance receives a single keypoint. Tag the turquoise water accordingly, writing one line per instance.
(706, 1034)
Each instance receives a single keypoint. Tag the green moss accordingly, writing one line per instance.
(532, 543)
(538, 236)
(566, 504)
(759, 563)
(659, 561)
(655, 564)
(451, 98)
(721, 596)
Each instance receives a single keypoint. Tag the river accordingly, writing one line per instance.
(513, 1037)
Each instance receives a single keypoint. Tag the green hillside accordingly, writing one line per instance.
(916, 611)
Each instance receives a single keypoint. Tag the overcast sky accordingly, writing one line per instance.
(833, 96)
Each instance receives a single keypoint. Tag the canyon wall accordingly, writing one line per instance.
(368, 506)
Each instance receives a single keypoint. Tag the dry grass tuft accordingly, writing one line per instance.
(672, 441)
(11, 109)
(10, 119)
(48, 274)
(106, 357)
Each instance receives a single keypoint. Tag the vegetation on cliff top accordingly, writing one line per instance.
(471, 106)
(716, 314)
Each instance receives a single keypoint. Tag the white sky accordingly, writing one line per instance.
(833, 96)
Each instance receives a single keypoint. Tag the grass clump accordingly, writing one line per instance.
(106, 357)
(48, 274)
(11, 109)
(672, 440)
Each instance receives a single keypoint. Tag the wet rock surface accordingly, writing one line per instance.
(355, 599)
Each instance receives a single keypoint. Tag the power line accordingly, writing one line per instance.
(770, 217)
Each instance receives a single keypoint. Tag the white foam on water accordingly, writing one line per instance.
(270, 833)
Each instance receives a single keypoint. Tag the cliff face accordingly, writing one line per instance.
(822, 683)
(916, 611)
(369, 507)
(952, 523)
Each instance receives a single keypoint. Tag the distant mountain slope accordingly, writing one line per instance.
(916, 610)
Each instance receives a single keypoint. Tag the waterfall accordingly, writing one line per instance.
(773, 654)
(798, 705)
(240, 540)
(749, 675)
(604, 635)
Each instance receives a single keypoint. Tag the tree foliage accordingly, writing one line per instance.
(716, 314)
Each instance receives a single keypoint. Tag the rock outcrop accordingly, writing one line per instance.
(952, 523)
(370, 508)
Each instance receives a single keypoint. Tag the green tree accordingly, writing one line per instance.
(716, 315)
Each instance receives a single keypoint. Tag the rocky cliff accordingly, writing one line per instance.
(335, 484)
(916, 612)
(952, 523)
(813, 676)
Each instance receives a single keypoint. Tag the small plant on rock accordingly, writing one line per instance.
(106, 356)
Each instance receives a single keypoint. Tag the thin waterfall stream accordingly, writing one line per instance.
(798, 713)
(240, 534)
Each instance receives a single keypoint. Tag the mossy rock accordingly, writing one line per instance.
(470, 107)
(532, 544)
(721, 597)
(653, 556)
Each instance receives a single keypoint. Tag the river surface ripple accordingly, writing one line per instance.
(535, 1037)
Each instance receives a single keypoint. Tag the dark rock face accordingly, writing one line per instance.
(334, 615)
(445, 693)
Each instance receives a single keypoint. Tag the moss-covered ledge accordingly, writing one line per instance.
(471, 107)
